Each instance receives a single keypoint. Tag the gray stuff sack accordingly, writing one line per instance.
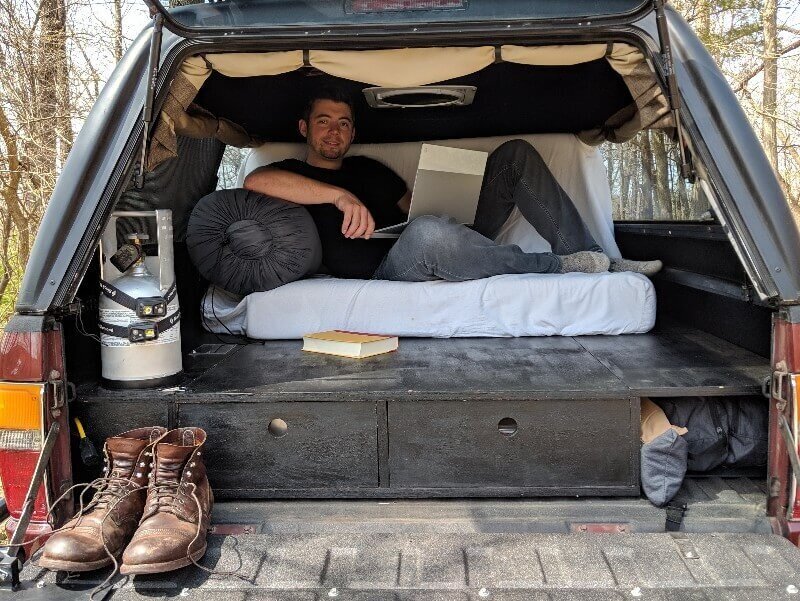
(664, 466)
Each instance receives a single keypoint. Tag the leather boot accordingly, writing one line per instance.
(113, 513)
(177, 515)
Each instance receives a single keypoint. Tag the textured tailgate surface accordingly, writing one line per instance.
(468, 566)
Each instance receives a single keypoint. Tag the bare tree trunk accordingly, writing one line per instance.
(11, 187)
(53, 80)
(662, 181)
(769, 130)
(704, 20)
(624, 184)
(646, 180)
(6, 264)
(117, 30)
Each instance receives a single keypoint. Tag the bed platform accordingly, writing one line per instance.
(677, 362)
(467, 417)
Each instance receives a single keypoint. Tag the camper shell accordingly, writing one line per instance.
(407, 458)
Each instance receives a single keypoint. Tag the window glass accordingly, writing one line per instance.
(644, 175)
(232, 160)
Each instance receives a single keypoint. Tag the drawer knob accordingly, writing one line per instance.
(507, 427)
(277, 427)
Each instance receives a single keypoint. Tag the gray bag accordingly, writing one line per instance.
(663, 466)
(725, 431)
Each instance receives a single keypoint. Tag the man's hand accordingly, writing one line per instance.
(357, 222)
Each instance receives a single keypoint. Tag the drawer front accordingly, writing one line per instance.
(324, 445)
(537, 443)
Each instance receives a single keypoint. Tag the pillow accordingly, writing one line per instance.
(664, 455)
(247, 242)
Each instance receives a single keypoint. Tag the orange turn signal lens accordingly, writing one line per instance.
(21, 406)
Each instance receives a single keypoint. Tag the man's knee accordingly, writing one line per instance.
(426, 228)
(515, 151)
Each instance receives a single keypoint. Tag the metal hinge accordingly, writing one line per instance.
(782, 389)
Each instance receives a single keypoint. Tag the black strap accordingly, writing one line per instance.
(127, 301)
(118, 296)
(161, 326)
(676, 511)
(169, 321)
(171, 292)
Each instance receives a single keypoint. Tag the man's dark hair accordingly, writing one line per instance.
(334, 93)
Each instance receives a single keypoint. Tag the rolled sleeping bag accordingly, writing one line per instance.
(248, 242)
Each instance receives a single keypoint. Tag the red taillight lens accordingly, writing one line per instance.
(16, 468)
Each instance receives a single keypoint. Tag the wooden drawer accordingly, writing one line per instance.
(552, 445)
(325, 445)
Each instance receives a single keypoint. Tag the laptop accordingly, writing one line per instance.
(448, 183)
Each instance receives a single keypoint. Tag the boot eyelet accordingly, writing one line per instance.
(142, 464)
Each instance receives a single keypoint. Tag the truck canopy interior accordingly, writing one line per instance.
(357, 429)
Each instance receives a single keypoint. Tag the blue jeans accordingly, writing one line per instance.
(438, 248)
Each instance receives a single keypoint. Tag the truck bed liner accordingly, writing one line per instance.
(450, 549)
(475, 566)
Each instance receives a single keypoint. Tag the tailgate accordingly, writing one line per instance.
(508, 566)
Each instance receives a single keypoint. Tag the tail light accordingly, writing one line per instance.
(784, 500)
(21, 431)
(31, 398)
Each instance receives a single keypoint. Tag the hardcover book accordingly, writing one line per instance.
(349, 344)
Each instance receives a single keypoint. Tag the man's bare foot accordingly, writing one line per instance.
(647, 268)
(585, 261)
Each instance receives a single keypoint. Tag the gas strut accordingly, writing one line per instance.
(152, 74)
(674, 98)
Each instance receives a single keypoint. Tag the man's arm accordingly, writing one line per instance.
(357, 221)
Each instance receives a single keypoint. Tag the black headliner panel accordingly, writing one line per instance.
(511, 99)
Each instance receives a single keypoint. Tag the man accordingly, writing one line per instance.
(348, 197)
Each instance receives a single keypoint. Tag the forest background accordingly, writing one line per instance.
(55, 56)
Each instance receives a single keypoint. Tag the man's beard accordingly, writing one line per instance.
(332, 154)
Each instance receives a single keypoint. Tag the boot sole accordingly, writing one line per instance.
(166, 566)
(73, 566)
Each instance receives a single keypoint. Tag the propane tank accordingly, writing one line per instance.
(140, 341)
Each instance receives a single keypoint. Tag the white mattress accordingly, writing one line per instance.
(571, 304)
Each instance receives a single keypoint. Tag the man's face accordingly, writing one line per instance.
(329, 131)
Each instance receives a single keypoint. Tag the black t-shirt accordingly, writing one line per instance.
(374, 184)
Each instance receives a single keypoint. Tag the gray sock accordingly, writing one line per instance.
(585, 261)
(644, 267)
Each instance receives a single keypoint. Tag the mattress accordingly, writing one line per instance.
(572, 304)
